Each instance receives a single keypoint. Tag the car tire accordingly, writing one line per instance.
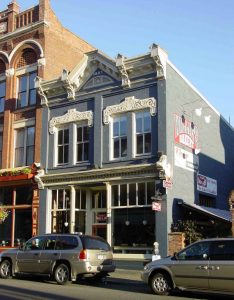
(5, 269)
(62, 274)
(160, 284)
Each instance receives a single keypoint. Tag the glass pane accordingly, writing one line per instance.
(147, 142)
(32, 97)
(79, 134)
(5, 231)
(116, 128)
(123, 195)
(2, 104)
(32, 76)
(139, 128)
(79, 152)
(60, 199)
(139, 144)
(150, 191)
(114, 190)
(22, 99)
(30, 155)
(0, 141)
(19, 157)
(141, 193)
(30, 136)
(23, 84)
(116, 148)
(66, 154)
(2, 89)
(60, 137)
(86, 133)
(66, 136)
(123, 126)
(83, 199)
(60, 155)
(123, 147)
(19, 138)
(54, 199)
(78, 199)
(86, 151)
(23, 225)
(147, 122)
(6, 196)
(132, 194)
(80, 221)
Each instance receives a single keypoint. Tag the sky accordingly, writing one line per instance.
(198, 36)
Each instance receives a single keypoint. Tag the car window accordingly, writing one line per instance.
(50, 243)
(222, 250)
(35, 243)
(66, 242)
(95, 243)
(197, 251)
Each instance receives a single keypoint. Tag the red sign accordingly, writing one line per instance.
(101, 217)
(167, 184)
(156, 206)
(185, 132)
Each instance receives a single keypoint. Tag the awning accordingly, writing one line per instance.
(224, 215)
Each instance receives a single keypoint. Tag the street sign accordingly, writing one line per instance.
(167, 184)
(156, 206)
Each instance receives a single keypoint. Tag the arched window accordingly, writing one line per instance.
(2, 67)
(27, 57)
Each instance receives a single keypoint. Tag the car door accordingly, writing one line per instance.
(190, 267)
(222, 266)
(49, 254)
(28, 258)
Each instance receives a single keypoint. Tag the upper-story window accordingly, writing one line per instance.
(82, 143)
(143, 133)
(24, 146)
(2, 95)
(63, 146)
(119, 137)
(27, 91)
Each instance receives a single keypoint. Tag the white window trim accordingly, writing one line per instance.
(81, 124)
(55, 163)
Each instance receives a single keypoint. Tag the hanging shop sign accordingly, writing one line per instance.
(185, 132)
(206, 184)
(186, 160)
(156, 206)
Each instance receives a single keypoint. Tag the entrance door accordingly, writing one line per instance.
(99, 230)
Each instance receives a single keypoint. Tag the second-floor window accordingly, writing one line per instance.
(27, 91)
(24, 146)
(119, 137)
(143, 133)
(82, 143)
(2, 95)
(63, 146)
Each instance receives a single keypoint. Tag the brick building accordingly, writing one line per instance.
(30, 46)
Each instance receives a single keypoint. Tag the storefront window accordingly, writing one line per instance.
(23, 225)
(80, 221)
(99, 199)
(23, 195)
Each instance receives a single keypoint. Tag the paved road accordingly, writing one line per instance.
(124, 285)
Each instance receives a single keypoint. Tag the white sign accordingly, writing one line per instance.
(3, 27)
(156, 206)
(186, 160)
(206, 184)
(167, 184)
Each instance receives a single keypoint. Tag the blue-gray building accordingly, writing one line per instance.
(129, 147)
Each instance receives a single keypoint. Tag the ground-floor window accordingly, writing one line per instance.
(17, 226)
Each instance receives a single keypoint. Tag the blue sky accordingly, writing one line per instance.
(198, 36)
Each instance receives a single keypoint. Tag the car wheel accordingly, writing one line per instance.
(5, 269)
(62, 274)
(160, 284)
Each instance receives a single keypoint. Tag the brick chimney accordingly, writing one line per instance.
(13, 10)
(44, 8)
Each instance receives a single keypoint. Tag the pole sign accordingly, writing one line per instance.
(156, 206)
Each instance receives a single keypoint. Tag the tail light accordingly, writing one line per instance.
(83, 254)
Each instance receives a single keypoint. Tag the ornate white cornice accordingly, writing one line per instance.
(123, 71)
(160, 58)
(10, 72)
(41, 62)
(129, 104)
(72, 115)
(44, 100)
(69, 86)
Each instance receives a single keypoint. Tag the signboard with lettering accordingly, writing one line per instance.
(3, 27)
(186, 160)
(156, 206)
(185, 132)
(206, 184)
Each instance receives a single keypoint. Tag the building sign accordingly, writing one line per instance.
(3, 27)
(156, 206)
(186, 160)
(101, 217)
(167, 184)
(206, 184)
(185, 132)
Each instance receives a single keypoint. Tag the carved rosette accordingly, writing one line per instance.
(72, 115)
(129, 104)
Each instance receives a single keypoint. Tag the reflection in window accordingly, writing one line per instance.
(119, 137)
(63, 146)
(27, 91)
(143, 133)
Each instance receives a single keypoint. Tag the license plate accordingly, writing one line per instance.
(101, 256)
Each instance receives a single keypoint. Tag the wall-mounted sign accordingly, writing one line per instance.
(206, 184)
(156, 206)
(186, 160)
(3, 27)
(185, 132)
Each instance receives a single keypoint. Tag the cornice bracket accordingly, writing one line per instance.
(160, 58)
(123, 71)
(44, 100)
(69, 86)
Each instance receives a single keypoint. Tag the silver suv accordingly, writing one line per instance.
(204, 266)
(62, 257)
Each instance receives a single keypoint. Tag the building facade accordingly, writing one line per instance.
(30, 46)
(125, 156)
